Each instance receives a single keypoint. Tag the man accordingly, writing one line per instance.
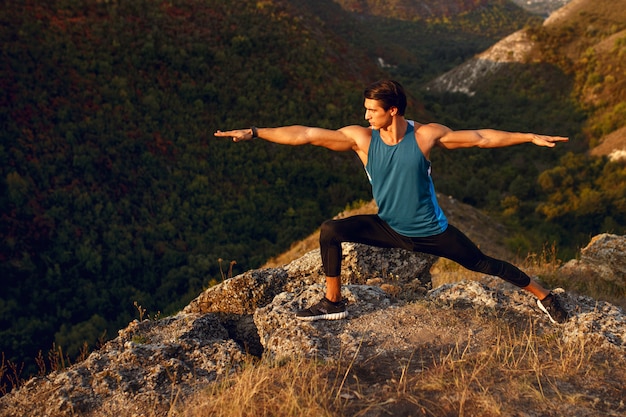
(395, 153)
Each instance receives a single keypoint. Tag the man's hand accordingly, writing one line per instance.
(237, 135)
(549, 141)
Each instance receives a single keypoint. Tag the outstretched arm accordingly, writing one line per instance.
(343, 139)
(490, 138)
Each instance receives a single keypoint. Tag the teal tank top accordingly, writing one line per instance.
(403, 188)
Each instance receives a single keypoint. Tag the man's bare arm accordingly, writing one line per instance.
(490, 138)
(336, 140)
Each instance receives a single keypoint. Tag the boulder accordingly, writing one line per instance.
(602, 260)
(284, 336)
(361, 264)
(148, 364)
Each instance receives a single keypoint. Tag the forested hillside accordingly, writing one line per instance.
(113, 188)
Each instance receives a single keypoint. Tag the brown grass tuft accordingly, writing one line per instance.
(516, 368)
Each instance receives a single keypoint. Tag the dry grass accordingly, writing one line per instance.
(297, 387)
(515, 368)
(501, 368)
(519, 370)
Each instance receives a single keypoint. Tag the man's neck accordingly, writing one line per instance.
(396, 130)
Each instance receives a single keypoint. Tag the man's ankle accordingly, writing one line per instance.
(333, 298)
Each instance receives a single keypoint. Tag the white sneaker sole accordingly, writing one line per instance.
(542, 308)
(329, 316)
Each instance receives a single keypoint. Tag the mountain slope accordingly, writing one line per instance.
(437, 9)
(113, 189)
(541, 7)
(598, 58)
(586, 40)
(562, 77)
(113, 192)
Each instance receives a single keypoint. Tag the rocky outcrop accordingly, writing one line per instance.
(514, 49)
(147, 364)
(430, 9)
(392, 311)
(602, 261)
(361, 265)
(412, 9)
(541, 7)
(150, 362)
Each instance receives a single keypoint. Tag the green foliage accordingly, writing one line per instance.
(521, 99)
(416, 51)
(556, 196)
(613, 119)
(589, 46)
(586, 195)
(113, 189)
(74, 337)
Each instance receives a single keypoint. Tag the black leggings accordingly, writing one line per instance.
(371, 230)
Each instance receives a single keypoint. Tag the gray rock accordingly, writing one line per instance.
(146, 365)
(150, 363)
(282, 335)
(603, 260)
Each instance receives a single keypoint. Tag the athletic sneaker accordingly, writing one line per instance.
(551, 306)
(324, 310)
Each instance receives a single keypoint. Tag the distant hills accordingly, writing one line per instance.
(584, 39)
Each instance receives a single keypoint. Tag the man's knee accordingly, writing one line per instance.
(486, 265)
(502, 269)
(327, 231)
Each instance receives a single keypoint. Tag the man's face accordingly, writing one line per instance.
(377, 116)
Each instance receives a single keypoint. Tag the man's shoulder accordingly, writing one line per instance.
(431, 131)
(428, 135)
(356, 132)
(355, 129)
(431, 127)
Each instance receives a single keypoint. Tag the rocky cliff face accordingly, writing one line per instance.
(392, 310)
(595, 29)
(541, 7)
(411, 9)
(514, 49)
(424, 9)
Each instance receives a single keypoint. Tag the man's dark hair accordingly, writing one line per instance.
(390, 94)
